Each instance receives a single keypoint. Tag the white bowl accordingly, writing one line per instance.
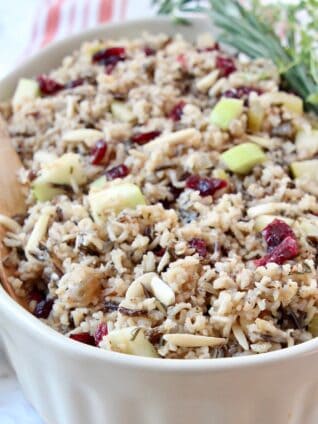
(72, 383)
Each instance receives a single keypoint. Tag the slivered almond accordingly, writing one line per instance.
(240, 336)
(266, 209)
(262, 221)
(162, 291)
(131, 340)
(192, 340)
(207, 81)
(136, 290)
(88, 136)
(190, 136)
(10, 224)
(38, 232)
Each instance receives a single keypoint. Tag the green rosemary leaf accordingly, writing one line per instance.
(251, 29)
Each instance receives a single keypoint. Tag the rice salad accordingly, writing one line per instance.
(172, 201)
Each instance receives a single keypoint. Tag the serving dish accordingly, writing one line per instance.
(69, 382)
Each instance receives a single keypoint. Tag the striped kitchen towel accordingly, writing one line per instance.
(28, 25)
(58, 18)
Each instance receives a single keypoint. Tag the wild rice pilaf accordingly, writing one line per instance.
(146, 233)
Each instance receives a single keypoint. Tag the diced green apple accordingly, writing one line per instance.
(313, 326)
(221, 174)
(291, 102)
(122, 111)
(27, 89)
(307, 143)
(255, 117)
(265, 142)
(114, 198)
(98, 184)
(131, 340)
(305, 168)
(225, 111)
(56, 176)
(241, 159)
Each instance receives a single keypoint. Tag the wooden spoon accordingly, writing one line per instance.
(12, 201)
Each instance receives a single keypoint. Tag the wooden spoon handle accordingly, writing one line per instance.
(12, 201)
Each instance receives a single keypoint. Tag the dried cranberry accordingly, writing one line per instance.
(75, 83)
(109, 68)
(101, 331)
(175, 191)
(182, 60)
(143, 138)
(276, 232)
(177, 111)
(206, 186)
(32, 175)
(199, 245)
(49, 86)
(98, 152)
(83, 338)
(226, 65)
(119, 171)
(281, 243)
(149, 51)
(238, 93)
(110, 56)
(212, 48)
(159, 251)
(287, 249)
(36, 295)
(43, 308)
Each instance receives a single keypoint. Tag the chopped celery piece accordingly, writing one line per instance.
(131, 340)
(58, 176)
(305, 168)
(27, 89)
(114, 198)
(225, 111)
(241, 159)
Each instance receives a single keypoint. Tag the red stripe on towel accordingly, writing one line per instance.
(105, 10)
(52, 22)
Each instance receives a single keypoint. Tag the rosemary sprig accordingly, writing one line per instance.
(252, 29)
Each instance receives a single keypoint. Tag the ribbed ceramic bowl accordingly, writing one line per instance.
(72, 383)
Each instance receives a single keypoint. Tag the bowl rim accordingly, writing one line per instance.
(31, 324)
(59, 341)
